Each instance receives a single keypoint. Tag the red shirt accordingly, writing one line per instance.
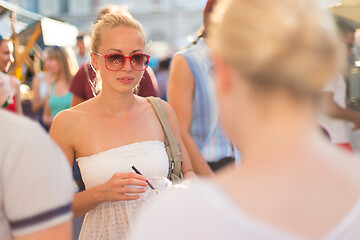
(11, 105)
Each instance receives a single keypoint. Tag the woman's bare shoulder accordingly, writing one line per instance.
(169, 110)
(74, 116)
(66, 118)
(90, 106)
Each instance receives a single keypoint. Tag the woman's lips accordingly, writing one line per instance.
(125, 80)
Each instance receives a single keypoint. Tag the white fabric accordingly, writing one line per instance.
(6, 90)
(204, 211)
(35, 178)
(113, 220)
(337, 129)
(43, 86)
(8, 85)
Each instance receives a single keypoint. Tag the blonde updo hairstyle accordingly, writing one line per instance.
(111, 17)
(277, 44)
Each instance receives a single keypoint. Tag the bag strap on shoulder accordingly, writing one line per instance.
(171, 146)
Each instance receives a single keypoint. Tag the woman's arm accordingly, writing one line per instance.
(36, 102)
(62, 131)
(18, 104)
(47, 117)
(331, 108)
(181, 94)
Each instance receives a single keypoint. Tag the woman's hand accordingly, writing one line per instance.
(118, 188)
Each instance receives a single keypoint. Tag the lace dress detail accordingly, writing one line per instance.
(113, 220)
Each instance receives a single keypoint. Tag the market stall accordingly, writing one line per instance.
(26, 28)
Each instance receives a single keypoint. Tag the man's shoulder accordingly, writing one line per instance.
(17, 130)
(10, 121)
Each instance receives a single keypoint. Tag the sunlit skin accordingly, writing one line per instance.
(52, 66)
(114, 118)
(131, 43)
(6, 55)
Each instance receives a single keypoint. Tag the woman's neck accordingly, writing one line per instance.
(273, 145)
(115, 103)
(283, 133)
(59, 78)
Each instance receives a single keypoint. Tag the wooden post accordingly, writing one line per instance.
(28, 47)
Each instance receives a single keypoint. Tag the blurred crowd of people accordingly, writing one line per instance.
(255, 108)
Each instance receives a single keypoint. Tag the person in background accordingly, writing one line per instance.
(162, 76)
(336, 114)
(271, 60)
(348, 35)
(114, 131)
(61, 69)
(13, 102)
(192, 95)
(82, 85)
(82, 55)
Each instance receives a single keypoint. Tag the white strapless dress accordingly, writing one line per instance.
(113, 220)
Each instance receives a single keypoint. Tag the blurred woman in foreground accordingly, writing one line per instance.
(271, 60)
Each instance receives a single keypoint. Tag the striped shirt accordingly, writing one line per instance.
(205, 127)
(36, 188)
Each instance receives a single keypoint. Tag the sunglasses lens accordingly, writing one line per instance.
(139, 61)
(115, 61)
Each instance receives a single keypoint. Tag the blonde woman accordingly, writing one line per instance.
(61, 68)
(271, 60)
(114, 131)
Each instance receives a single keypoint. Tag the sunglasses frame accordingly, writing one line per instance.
(126, 57)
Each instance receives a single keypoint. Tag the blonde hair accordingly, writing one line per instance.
(290, 44)
(111, 19)
(67, 60)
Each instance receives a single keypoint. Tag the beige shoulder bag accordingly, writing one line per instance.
(172, 148)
